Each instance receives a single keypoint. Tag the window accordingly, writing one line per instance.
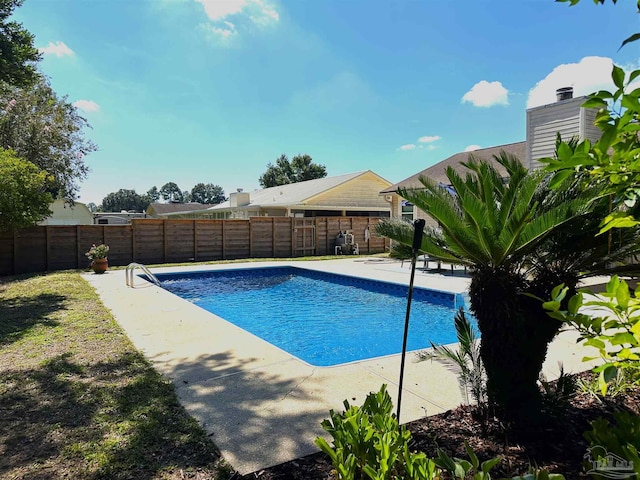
(407, 210)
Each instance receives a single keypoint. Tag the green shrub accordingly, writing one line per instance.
(557, 395)
(615, 334)
(621, 439)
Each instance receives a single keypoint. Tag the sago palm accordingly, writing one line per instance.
(494, 225)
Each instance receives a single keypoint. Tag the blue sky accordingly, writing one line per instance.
(211, 91)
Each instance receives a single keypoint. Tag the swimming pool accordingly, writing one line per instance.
(324, 319)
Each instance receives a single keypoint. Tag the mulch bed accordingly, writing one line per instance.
(554, 442)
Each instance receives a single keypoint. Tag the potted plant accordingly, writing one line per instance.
(98, 256)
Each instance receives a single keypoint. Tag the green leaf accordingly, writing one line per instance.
(617, 75)
(622, 294)
(635, 74)
(622, 338)
(559, 292)
(575, 303)
(552, 306)
(564, 152)
(595, 342)
(608, 136)
(472, 456)
(617, 220)
(632, 38)
(559, 177)
(593, 102)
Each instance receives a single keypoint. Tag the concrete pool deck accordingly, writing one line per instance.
(260, 405)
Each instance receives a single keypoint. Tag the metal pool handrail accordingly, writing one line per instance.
(129, 274)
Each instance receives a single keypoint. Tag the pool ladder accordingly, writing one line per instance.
(129, 274)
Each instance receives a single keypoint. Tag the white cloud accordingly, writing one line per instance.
(259, 12)
(86, 105)
(429, 139)
(587, 76)
(59, 49)
(219, 9)
(225, 30)
(487, 94)
(409, 146)
(471, 148)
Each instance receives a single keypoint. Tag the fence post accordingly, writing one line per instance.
(273, 237)
(164, 241)
(77, 246)
(224, 253)
(250, 238)
(195, 240)
(293, 233)
(47, 243)
(15, 253)
(133, 240)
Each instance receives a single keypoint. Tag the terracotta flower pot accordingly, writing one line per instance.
(100, 265)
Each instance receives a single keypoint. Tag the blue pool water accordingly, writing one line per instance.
(324, 319)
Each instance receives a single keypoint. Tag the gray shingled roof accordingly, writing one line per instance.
(164, 208)
(293, 193)
(438, 171)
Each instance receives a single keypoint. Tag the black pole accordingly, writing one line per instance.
(418, 228)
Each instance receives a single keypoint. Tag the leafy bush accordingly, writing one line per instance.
(97, 251)
(368, 443)
(615, 334)
(621, 439)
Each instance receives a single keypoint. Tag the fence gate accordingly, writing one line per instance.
(304, 237)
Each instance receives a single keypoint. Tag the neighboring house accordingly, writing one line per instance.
(162, 210)
(353, 194)
(438, 173)
(66, 214)
(116, 218)
(566, 116)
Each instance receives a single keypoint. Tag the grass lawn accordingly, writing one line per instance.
(78, 401)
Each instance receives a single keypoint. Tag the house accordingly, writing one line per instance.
(116, 218)
(64, 213)
(566, 116)
(162, 210)
(438, 173)
(353, 194)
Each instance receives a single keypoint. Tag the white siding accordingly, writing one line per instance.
(589, 130)
(543, 123)
(567, 118)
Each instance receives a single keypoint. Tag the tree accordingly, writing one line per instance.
(48, 132)
(208, 194)
(515, 235)
(93, 208)
(124, 200)
(186, 196)
(18, 55)
(171, 192)
(300, 169)
(153, 195)
(24, 200)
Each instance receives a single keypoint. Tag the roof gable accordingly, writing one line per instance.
(438, 172)
(292, 193)
(164, 208)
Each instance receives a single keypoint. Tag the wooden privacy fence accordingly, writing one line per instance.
(150, 241)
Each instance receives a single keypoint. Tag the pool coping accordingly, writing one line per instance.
(261, 405)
